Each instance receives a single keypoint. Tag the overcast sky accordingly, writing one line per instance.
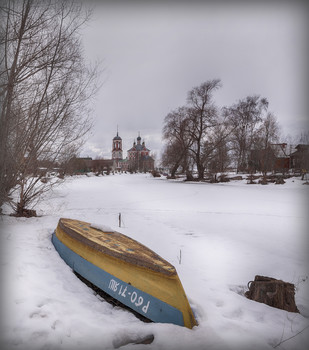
(154, 52)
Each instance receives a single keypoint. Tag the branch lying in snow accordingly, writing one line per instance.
(293, 336)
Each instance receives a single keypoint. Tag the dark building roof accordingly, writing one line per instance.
(117, 137)
(301, 149)
(138, 147)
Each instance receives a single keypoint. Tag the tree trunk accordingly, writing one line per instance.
(200, 170)
(174, 169)
(189, 176)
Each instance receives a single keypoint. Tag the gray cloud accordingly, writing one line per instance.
(154, 53)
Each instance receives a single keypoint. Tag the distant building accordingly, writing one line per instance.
(300, 158)
(282, 159)
(138, 158)
(117, 156)
(277, 158)
(272, 158)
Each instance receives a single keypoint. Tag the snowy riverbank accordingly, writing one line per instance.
(218, 236)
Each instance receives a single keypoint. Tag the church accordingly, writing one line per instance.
(138, 158)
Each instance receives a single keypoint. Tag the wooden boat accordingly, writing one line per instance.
(125, 269)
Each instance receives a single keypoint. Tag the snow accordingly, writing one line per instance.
(218, 236)
(101, 227)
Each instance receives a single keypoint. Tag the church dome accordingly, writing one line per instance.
(117, 137)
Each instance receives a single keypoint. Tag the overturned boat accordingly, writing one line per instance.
(125, 269)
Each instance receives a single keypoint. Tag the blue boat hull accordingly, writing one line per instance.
(145, 304)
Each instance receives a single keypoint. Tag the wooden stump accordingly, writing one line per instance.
(272, 292)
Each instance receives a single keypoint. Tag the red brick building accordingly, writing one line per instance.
(138, 158)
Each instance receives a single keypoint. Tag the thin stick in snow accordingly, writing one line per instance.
(179, 258)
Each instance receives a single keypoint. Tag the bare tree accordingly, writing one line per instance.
(302, 154)
(269, 131)
(245, 116)
(190, 130)
(304, 138)
(209, 137)
(217, 152)
(45, 86)
(176, 133)
(267, 134)
(203, 115)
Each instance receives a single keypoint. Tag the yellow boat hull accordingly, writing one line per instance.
(125, 269)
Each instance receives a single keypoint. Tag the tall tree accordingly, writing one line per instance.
(45, 87)
(176, 133)
(217, 149)
(267, 135)
(245, 117)
(203, 116)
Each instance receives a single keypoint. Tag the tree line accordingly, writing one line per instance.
(203, 137)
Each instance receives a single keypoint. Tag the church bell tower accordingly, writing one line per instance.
(117, 150)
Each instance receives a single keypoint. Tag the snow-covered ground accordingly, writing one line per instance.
(225, 234)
